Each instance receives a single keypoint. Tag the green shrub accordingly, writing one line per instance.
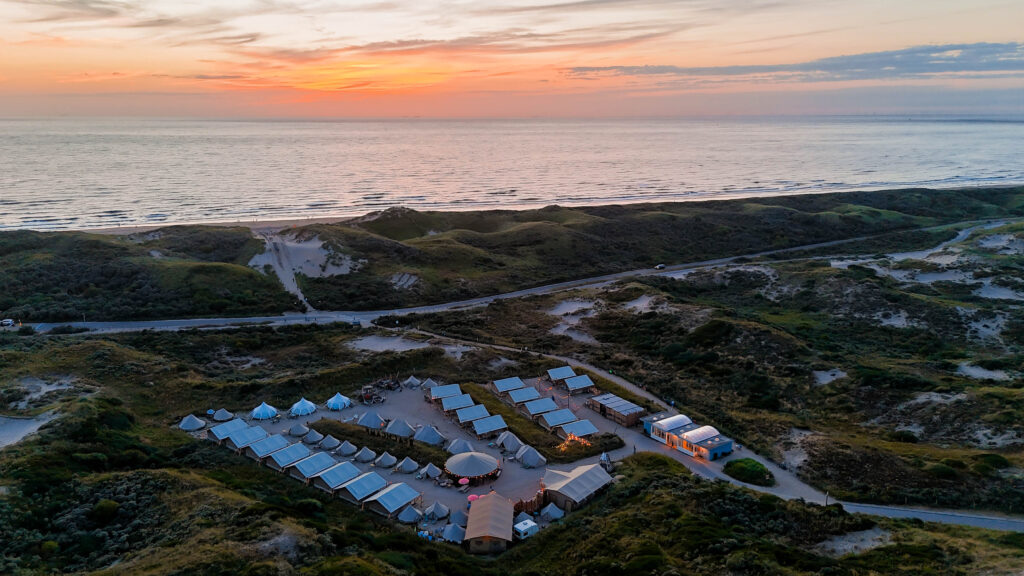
(905, 436)
(750, 471)
(104, 511)
(997, 461)
(941, 471)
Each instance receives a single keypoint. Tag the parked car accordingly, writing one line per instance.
(6, 322)
(659, 267)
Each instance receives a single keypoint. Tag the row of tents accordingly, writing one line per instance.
(265, 411)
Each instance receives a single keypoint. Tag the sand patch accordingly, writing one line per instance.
(1005, 244)
(793, 453)
(386, 344)
(571, 313)
(899, 319)
(823, 377)
(640, 305)
(404, 281)
(14, 430)
(456, 350)
(854, 542)
(979, 373)
(935, 398)
(37, 388)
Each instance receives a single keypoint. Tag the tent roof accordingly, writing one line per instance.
(490, 516)
(430, 383)
(471, 413)
(290, 455)
(437, 392)
(313, 437)
(579, 382)
(329, 442)
(523, 395)
(552, 512)
(459, 446)
(347, 448)
(558, 417)
(530, 458)
(410, 515)
(541, 406)
(407, 465)
(338, 402)
(458, 517)
(339, 474)
(453, 533)
(400, 428)
(315, 464)
(489, 424)
(412, 381)
(617, 404)
(298, 429)
(263, 412)
(509, 441)
(436, 511)
(245, 436)
(672, 422)
(700, 434)
(394, 496)
(222, 415)
(365, 454)
(507, 384)
(456, 402)
(429, 435)
(521, 517)
(370, 420)
(561, 373)
(430, 470)
(385, 460)
(579, 483)
(302, 408)
(222, 431)
(471, 464)
(191, 423)
(580, 428)
(268, 445)
(362, 486)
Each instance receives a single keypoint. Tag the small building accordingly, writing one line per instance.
(561, 373)
(579, 384)
(667, 429)
(579, 429)
(391, 500)
(307, 468)
(570, 490)
(522, 395)
(555, 418)
(506, 385)
(239, 439)
(489, 426)
(489, 529)
(220, 432)
(441, 392)
(361, 487)
(259, 451)
(456, 402)
(284, 458)
(705, 442)
(616, 409)
(535, 408)
(471, 413)
(331, 479)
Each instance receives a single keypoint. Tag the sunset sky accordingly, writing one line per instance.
(509, 58)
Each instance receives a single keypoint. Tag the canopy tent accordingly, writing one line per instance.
(459, 518)
(329, 443)
(530, 458)
(508, 384)
(429, 435)
(302, 408)
(400, 428)
(190, 423)
(298, 430)
(430, 471)
(523, 395)
(561, 373)
(555, 418)
(490, 517)
(471, 465)
(263, 412)
(509, 442)
(365, 455)
(313, 437)
(489, 426)
(579, 484)
(407, 466)
(332, 478)
(221, 431)
(471, 413)
(431, 383)
(338, 402)
(436, 511)
(346, 449)
(370, 420)
(412, 382)
(522, 517)
(541, 406)
(222, 415)
(453, 533)
(359, 488)
(385, 460)
(410, 515)
(551, 512)
(436, 392)
(458, 446)
(391, 499)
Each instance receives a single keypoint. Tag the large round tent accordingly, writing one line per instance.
(338, 402)
(263, 412)
(302, 408)
(471, 465)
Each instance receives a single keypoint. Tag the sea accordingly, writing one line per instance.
(60, 174)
